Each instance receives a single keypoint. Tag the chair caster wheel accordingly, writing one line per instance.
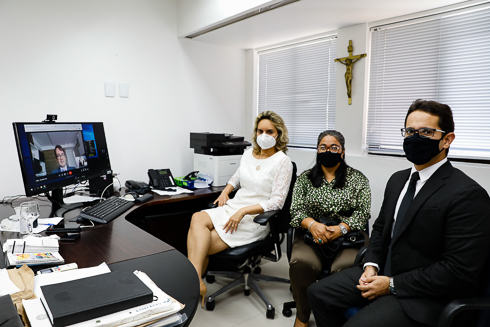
(210, 305)
(210, 279)
(270, 313)
(287, 312)
(246, 292)
(257, 270)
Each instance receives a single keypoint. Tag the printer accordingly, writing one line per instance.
(217, 155)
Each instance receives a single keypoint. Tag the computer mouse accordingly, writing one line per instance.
(81, 220)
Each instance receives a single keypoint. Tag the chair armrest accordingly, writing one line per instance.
(265, 217)
(360, 255)
(456, 306)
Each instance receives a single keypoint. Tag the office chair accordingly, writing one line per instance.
(247, 257)
(326, 271)
(482, 302)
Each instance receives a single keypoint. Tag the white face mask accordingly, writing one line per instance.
(266, 141)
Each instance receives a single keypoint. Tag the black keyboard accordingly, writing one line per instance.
(105, 211)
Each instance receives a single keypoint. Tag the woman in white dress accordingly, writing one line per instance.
(262, 180)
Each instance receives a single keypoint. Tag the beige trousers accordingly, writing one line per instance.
(304, 268)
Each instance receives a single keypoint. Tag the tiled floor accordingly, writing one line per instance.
(234, 309)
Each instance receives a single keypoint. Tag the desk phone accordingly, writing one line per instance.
(161, 178)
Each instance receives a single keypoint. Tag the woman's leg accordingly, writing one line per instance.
(202, 240)
(304, 267)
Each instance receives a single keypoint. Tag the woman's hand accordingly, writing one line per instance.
(222, 199)
(320, 232)
(333, 233)
(232, 223)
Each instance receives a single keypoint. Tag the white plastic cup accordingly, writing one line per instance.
(23, 225)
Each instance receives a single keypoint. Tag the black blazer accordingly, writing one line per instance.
(442, 244)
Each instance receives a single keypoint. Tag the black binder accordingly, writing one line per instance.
(88, 298)
(8, 313)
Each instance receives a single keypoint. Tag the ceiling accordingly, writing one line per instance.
(310, 17)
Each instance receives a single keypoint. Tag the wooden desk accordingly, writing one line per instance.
(123, 244)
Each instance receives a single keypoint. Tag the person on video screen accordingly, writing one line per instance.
(60, 155)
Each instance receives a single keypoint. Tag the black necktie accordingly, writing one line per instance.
(407, 200)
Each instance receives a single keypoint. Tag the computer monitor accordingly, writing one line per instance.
(54, 155)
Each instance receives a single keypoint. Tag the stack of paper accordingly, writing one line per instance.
(31, 245)
(151, 313)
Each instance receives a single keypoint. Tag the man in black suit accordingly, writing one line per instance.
(428, 244)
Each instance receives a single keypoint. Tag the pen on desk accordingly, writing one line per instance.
(13, 247)
(47, 224)
(24, 248)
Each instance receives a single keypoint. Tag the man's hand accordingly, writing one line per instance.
(369, 271)
(373, 287)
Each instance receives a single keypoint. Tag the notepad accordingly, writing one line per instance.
(31, 245)
(41, 258)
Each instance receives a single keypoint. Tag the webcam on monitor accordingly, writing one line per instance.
(50, 118)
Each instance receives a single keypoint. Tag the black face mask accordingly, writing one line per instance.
(328, 159)
(420, 150)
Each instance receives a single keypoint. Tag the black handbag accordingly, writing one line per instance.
(354, 239)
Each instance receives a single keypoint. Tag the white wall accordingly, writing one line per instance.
(57, 54)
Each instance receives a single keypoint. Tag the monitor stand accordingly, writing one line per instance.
(58, 207)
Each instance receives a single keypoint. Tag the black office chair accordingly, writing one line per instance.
(468, 308)
(247, 257)
(326, 271)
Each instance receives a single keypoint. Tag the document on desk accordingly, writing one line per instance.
(32, 244)
(43, 224)
(178, 190)
(79, 199)
(7, 287)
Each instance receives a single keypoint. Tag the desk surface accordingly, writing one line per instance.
(125, 246)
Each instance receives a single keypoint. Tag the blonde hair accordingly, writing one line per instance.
(282, 138)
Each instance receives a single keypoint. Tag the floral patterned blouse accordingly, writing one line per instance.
(351, 204)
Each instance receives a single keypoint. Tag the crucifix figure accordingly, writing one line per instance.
(349, 64)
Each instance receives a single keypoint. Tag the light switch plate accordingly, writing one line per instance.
(124, 90)
(110, 89)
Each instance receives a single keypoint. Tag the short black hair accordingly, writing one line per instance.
(443, 111)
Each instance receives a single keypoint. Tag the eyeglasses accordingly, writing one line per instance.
(333, 148)
(424, 132)
(60, 155)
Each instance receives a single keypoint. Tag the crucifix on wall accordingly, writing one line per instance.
(349, 64)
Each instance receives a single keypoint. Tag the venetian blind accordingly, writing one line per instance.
(298, 83)
(445, 58)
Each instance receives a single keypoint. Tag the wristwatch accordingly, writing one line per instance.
(343, 229)
(392, 286)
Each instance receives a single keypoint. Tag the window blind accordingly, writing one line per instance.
(445, 58)
(298, 83)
